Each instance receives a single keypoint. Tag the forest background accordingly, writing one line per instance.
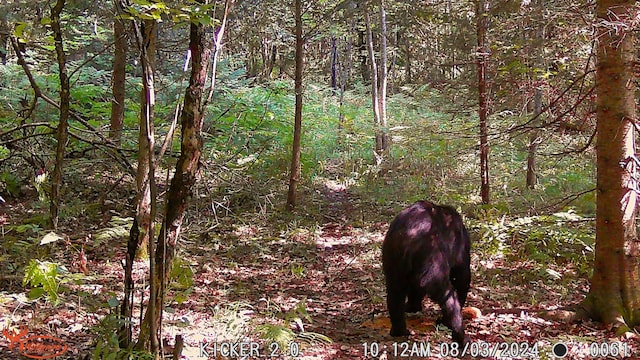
(317, 122)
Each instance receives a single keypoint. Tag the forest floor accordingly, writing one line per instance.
(283, 288)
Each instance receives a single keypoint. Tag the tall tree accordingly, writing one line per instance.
(4, 31)
(378, 81)
(143, 224)
(294, 175)
(374, 81)
(483, 56)
(614, 296)
(119, 74)
(63, 124)
(534, 141)
(537, 43)
(383, 79)
(181, 187)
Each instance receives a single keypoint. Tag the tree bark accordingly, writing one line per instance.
(362, 51)
(536, 55)
(4, 32)
(408, 79)
(334, 65)
(294, 177)
(119, 75)
(534, 141)
(382, 93)
(374, 85)
(614, 296)
(181, 187)
(63, 126)
(143, 224)
(146, 135)
(483, 56)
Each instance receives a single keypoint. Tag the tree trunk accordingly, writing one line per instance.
(614, 296)
(483, 56)
(63, 126)
(334, 65)
(269, 53)
(362, 54)
(146, 134)
(119, 74)
(297, 128)
(408, 79)
(181, 187)
(143, 224)
(382, 93)
(537, 59)
(4, 32)
(348, 57)
(534, 141)
(374, 85)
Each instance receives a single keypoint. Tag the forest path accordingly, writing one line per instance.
(262, 274)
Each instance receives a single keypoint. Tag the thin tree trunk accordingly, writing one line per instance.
(382, 94)
(146, 134)
(483, 55)
(294, 177)
(146, 216)
(536, 54)
(181, 188)
(63, 126)
(119, 74)
(4, 31)
(534, 141)
(143, 225)
(363, 48)
(348, 61)
(614, 296)
(374, 85)
(345, 70)
(342, 82)
(334, 65)
(407, 67)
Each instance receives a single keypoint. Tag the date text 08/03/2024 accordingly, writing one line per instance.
(499, 350)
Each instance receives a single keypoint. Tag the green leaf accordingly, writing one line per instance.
(19, 30)
(35, 293)
(113, 302)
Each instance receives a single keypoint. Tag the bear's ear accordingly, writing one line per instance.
(446, 215)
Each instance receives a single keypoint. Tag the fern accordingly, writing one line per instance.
(279, 334)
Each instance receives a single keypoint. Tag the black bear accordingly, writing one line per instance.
(427, 252)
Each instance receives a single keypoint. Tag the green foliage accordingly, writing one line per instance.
(283, 334)
(564, 238)
(280, 334)
(297, 270)
(231, 322)
(108, 344)
(9, 182)
(43, 277)
(181, 279)
(155, 10)
(118, 229)
(4, 153)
